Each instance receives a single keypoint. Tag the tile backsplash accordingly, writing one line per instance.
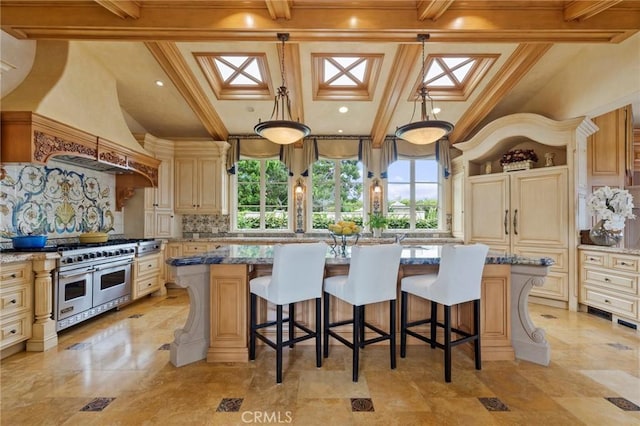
(58, 200)
(206, 225)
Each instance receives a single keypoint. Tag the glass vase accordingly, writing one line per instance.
(604, 237)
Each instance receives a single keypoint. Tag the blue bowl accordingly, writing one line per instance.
(29, 241)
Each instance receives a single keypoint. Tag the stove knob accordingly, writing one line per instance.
(79, 258)
(85, 256)
(98, 254)
(105, 253)
(92, 255)
(118, 252)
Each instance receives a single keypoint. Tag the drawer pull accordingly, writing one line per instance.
(606, 301)
(14, 301)
(14, 331)
(14, 276)
(607, 280)
(624, 263)
(593, 259)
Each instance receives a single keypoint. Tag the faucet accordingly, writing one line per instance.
(400, 237)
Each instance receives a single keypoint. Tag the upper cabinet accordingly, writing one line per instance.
(200, 178)
(611, 150)
(529, 212)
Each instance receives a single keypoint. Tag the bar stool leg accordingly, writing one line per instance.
(403, 324)
(434, 323)
(325, 330)
(279, 344)
(318, 334)
(356, 343)
(252, 326)
(447, 343)
(362, 327)
(476, 331)
(392, 332)
(292, 317)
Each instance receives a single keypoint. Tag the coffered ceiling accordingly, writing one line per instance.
(363, 55)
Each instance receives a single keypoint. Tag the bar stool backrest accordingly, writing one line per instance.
(298, 271)
(373, 273)
(460, 274)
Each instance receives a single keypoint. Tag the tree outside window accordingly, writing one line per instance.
(262, 195)
(337, 192)
(412, 194)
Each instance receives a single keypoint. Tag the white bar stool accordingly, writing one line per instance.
(296, 276)
(457, 281)
(373, 278)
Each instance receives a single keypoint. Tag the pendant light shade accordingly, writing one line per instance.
(425, 131)
(280, 130)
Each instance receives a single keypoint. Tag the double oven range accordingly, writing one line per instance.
(91, 279)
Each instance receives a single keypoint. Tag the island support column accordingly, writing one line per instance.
(44, 334)
(529, 341)
(192, 341)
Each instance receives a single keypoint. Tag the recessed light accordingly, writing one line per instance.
(436, 110)
(340, 131)
(159, 83)
(343, 109)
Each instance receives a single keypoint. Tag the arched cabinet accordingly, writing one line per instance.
(534, 211)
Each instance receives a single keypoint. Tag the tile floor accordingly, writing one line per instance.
(115, 370)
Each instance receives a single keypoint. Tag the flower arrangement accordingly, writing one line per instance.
(344, 228)
(378, 221)
(612, 205)
(517, 155)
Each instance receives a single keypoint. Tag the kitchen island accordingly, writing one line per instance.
(218, 286)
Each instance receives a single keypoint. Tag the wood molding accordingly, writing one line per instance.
(518, 23)
(398, 80)
(279, 9)
(432, 9)
(173, 63)
(581, 10)
(518, 64)
(122, 8)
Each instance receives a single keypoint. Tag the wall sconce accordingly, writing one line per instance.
(299, 198)
(376, 196)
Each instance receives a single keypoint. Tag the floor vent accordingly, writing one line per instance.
(599, 313)
(627, 324)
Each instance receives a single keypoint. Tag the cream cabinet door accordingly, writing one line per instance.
(208, 185)
(164, 224)
(186, 180)
(539, 212)
(164, 192)
(488, 209)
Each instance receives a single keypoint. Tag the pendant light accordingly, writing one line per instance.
(278, 129)
(425, 131)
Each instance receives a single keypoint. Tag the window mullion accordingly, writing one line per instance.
(263, 194)
(337, 184)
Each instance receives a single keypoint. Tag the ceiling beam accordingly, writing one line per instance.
(122, 8)
(174, 22)
(515, 68)
(397, 82)
(170, 59)
(581, 10)
(279, 9)
(432, 9)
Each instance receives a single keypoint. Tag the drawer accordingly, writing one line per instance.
(15, 299)
(604, 278)
(15, 273)
(555, 287)
(147, 285)
(614, 304)
(196, 248)
(593, 258)
(152, 264)
(624, 263)
(15, 329)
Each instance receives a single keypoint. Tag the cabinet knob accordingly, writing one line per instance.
(13, 331)
(14, 276)
(606, 301)
(593, 259)
(14, 301)
(624, 263)
(607, 280)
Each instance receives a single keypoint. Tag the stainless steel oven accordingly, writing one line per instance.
(90, 281)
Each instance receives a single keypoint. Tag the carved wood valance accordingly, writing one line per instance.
(28, 137)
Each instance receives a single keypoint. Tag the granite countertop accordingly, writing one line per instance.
(248, 239)
(618, 250)
(263, 254)
(26, 256)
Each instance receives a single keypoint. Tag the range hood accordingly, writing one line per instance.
(67, 109)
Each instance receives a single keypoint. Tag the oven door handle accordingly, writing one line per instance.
(76, 273)
(106, 266)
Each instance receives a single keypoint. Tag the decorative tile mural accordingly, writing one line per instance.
(55, 200)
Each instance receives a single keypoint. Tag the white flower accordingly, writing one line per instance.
(613, 205)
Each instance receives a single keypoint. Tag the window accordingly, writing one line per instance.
(262, 195)
(337, 192)
(412, 194)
